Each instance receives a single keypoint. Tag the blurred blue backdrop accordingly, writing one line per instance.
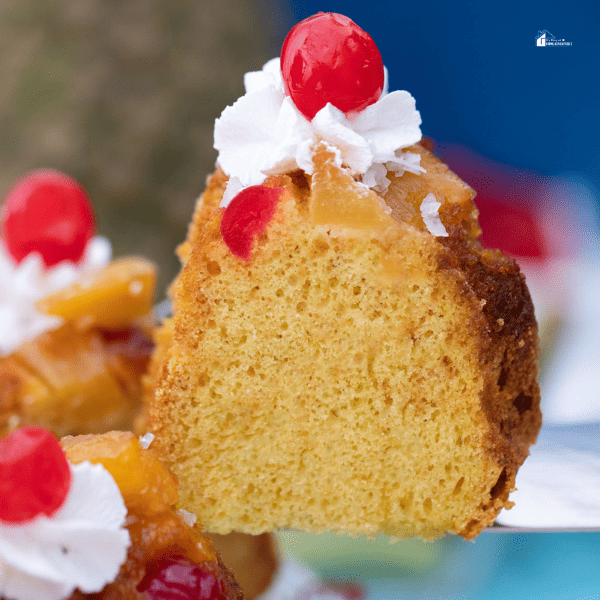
(480, 80)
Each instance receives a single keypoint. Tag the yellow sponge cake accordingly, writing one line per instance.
(346, 378)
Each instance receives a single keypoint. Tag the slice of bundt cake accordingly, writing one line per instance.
(355, 379)
(343, 354)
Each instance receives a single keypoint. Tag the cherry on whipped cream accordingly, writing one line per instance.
(35, 475)
(328, 58)
(174, 577)
(247, 216)
(47, 212)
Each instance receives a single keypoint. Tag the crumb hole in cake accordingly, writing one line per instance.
(210, 324)
(388, 400)
(300, 307)
(522, 403)
(250, 488)
(279, 293)
(333, 282)
(499, 489)
(407, 501)
(356, 290)
(213, 268)
(458, 486)
(320, 246)
(502, 379)
(427, 505)
(251, 371)
(370, 371)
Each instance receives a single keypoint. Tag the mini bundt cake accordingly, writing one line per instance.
(95, 518)
(75, 326)
(343, 354)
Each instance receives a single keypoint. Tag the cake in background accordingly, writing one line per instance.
(95, 518)
(75, 327)
(318, 346)
(123, 96)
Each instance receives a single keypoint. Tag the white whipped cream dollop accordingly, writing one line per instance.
(21, 286)
(81, 546)
(263, 133)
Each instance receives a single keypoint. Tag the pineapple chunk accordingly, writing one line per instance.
(141, 477)
(109, 298)
(338, 200)
(73, 382)
(407, 192)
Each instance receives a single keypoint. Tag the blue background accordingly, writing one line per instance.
(480, 80)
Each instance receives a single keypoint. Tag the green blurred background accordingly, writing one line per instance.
(122, 95)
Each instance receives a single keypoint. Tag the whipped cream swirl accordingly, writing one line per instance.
(21, 286)
(81, 546)
(263, 133)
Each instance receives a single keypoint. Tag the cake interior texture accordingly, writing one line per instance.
(357, 374)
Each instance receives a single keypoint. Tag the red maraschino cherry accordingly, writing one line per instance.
(248, 215)
(47, 212)
(35, 476)
(329, 58)
(174, 577)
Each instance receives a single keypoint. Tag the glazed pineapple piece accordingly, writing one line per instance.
(110, 298)
(160, 536)
(406, 193)
(86, 375)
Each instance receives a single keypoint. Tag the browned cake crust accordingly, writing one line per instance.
(415, 419)
(508, 344)
(252, 558)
